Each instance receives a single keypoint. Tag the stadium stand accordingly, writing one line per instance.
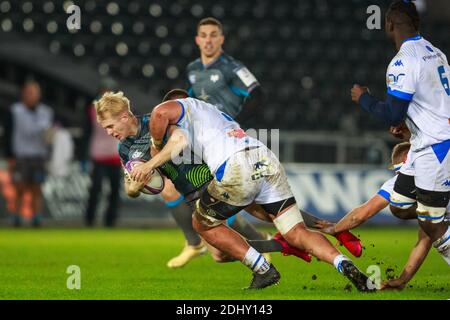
(305, 53)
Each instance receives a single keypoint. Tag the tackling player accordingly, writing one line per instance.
(114, 114)
(245, 171)
(419, 93)
(374, 205)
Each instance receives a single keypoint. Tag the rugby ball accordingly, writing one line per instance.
(156, 183)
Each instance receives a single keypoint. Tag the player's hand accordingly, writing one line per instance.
(325, 226)
(393, 284)
(357, 91)
(142, 172)
(401, 132)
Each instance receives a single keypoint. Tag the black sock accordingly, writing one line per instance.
(182, 214)
(263, 246)
(246, 229)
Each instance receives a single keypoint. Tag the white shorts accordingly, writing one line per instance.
(254, 175)
(430, 169)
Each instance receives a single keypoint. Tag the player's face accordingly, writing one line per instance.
(209, 40)
(119, 127)
(31, 95)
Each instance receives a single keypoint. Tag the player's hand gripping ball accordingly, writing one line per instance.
(156, 183)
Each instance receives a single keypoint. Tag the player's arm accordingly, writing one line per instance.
(392, 111)
(415, 260)
(252, 105)
(163, 115)
(172, 149)
(403, 75)
(357, 216)
(245, 85)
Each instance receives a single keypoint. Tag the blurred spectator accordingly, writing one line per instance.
(62, 151)
(26, 126)
(102, 150)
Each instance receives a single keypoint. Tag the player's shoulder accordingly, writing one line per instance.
(231, 62)
(45, 108)
(195, 65)
(412, 49)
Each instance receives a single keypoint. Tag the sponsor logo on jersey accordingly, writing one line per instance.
(192, 78)
(237, 133)
(446, 183)
(398, 63)
(214, 78)
(395, 79)
(136, 155)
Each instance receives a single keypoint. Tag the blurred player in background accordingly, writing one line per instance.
(418, 91)
(219, 79)
(26, 126)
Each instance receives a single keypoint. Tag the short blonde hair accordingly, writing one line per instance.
(399, 151)
(112, 103)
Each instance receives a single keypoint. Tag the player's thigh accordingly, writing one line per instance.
(274, 182)
(404, 194)
(432, 171)
(235, 185)
(432, 205)
(285, 214)
(211, 211)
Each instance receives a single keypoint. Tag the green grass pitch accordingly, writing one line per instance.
(131, 264)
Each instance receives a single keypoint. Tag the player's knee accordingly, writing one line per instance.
(295, 234)
(404, 214)
(169, 193)
(288, 220)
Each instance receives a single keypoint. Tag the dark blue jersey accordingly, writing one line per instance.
(224, 83)
(185, 177)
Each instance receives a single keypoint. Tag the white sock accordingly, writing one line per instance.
(338, 260)
(255, 261)
(442, 246)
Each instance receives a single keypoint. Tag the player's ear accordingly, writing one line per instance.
(124, 117)
(197, 40)
(389, 26)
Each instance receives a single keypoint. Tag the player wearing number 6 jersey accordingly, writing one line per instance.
(419, 93)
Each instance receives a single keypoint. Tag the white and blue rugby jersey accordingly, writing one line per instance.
(420, 73)
(213, 135)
